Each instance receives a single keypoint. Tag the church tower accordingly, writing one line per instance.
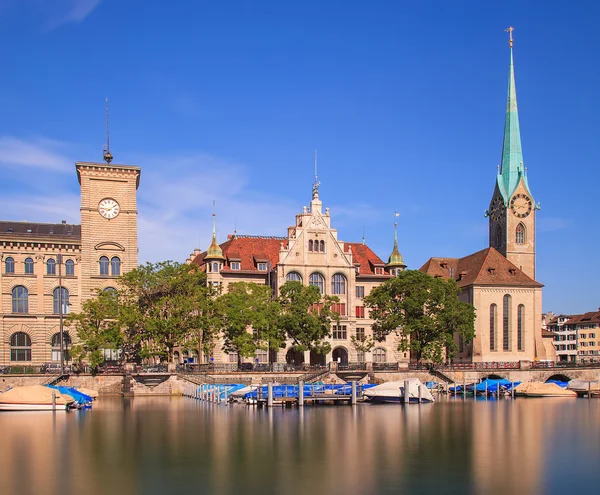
(512, 210)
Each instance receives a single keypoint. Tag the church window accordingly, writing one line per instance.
(9, 265)
(50, 267)
(70, 267)
(60, 297)
(310, 245)
(318, 281)
(493, 318)
(115, 266)
(293, 277)
(103, 265)
(499, 237)
(506, 323)
(28, 266)
(322, 246)
(235, 265)
(338, 284)
(520, 234)
(20, 347)
(20, 299)
(360, 291)
(520, 325)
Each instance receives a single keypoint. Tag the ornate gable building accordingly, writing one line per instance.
(49, 270)
(310, 253)
(500, 281)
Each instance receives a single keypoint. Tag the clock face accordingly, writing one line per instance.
(109, 208)
(496, 209)
(521, 205)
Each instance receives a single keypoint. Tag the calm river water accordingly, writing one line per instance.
(177, 445)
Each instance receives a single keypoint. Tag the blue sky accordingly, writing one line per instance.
(226, 101)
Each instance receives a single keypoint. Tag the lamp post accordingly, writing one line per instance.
(60, 313)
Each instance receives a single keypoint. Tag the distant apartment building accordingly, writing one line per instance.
(576, 337)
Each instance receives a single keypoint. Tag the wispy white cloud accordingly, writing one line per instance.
(550, 224)
(60, 12)
(34, 153)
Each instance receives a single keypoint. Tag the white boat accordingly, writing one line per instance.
(34, 398)
(393, 392)
(539, 389)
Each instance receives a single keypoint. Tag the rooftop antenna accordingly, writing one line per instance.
(315, 191)
(107, 156)
(235, 229)
(363, 239)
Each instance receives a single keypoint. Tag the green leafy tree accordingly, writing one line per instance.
(249, 319)
(162, 307)
(425, 310)
(97, 327)
(306, 316)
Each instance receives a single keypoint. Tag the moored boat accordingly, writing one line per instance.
(539, 389)
(33, 398)
(393, 392)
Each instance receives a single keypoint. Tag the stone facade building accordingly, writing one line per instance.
(51, 269)
(576, 337)
(310, 253)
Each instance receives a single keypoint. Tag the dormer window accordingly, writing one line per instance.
(235, 265)
(491, 271)
(512, 271)
(262, 267)
(378, 270)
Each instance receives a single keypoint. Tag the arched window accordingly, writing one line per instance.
(60, 296)
(20, 347)
(317, 280)
(103, 265)
(28, 266)
(493, 319)
(338, 284)
(310, 245)
(499, 237)
(110, 290)
(506, 323)
(9, 265)
(520, 326)
(50, 267)
(176, 357)
(215, 267)
(70, 267)
(379, 355)
(520, 234)
(322, 246)
(55, 343)
(115, 266)
(293, 277)
(20, 299)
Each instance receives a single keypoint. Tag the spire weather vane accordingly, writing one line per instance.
(510, 30)
(107, 156)
(315, 190)
(396, 214)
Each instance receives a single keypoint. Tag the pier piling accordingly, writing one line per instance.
(270, 394)
(300, 393)
(353, 400)
(406, 393)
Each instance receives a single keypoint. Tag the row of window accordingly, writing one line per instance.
(60, 298)
(507, 326)
(316, 246)
(104, 264)
(215, 266)
(261, 356)
(20, 346)
(585, 335)
(563, 347)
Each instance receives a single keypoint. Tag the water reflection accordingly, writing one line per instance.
(164, 445)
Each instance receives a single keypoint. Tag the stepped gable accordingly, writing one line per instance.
(485, 267)
(248, 250)
(363, 256)
(40, 230)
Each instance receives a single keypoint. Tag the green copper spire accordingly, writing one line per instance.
(214, 251)
(511, 168)
(396, 258)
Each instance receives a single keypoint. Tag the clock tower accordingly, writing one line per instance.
(512, 209)
(109, 245)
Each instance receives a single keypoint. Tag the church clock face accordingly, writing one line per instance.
(496, 209)
(521, 205)
(109, 208)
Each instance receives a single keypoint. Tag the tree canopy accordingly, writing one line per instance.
(426, 311)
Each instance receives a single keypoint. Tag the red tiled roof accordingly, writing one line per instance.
(364, 256)
(589, 317)
(485, 267)
(248, 250)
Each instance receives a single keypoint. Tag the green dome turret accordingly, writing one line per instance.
(214, 251)
(396, 259)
